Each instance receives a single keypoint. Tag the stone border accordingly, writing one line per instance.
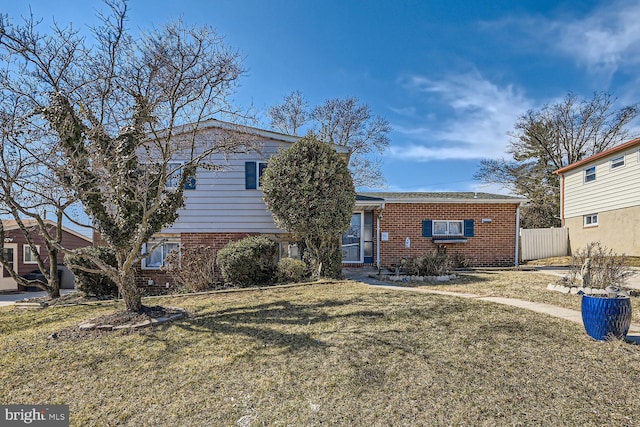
(579, 290)
(88, 326)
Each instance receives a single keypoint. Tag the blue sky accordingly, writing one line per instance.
(451, 77)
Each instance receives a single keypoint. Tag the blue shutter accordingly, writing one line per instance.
(250, 178)
(190, 183)
(468, 228)
(427, 228)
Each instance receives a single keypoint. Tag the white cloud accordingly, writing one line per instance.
(603, 40)
(480, 113)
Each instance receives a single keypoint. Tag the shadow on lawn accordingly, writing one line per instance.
(275, 324)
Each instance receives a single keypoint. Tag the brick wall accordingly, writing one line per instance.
(216, 240)
(492, 245)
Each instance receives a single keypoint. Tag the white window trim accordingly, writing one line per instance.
(448, 234)
(618, 165)
(593, 224)
(258, 176)
(171, 165)
(24, 254)
(361, 259)
(586, 175)
(150, 245)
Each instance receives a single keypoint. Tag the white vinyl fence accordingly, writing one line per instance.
(537, 243)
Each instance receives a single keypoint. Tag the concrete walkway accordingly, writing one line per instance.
(551, 310)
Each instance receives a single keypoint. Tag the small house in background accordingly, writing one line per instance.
(18, 251)
(600, 199)
(226, 205)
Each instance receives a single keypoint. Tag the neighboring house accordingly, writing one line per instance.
(227, 205)
(18, 251)
(600, 199)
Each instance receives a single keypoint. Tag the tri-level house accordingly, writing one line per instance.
(226, 205)
(600, 199)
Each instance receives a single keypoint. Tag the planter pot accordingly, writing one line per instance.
(606, 317)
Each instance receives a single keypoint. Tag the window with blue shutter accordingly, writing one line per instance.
(250, 176)
(468, 228)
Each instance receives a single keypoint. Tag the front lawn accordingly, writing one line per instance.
(524, 285)
(326, 354)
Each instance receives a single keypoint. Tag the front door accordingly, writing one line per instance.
(11, 255)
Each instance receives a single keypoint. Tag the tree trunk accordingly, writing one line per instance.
(130, 292)
(54, 282)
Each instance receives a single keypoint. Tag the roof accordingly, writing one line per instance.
(269, 134)
(606, 153)
(441, 197)
(11, 224)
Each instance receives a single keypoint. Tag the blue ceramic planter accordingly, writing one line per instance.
(606, 317)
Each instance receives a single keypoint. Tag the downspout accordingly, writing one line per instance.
(378, 237)
(517, 257)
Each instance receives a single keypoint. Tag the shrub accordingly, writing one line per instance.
(92, 283)
(429, 264)
(598, 266)
(291, 270)
(194, 268)
(247, 262)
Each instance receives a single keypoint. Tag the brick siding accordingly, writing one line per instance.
(493, 243)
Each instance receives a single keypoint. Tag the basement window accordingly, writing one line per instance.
(156, 259)
(591, 220)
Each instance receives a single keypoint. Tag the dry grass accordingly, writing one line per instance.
(565, 261)
(524, 285)
(329, 354)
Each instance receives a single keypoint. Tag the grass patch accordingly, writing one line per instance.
(524, 285)
(328, 354)
(565, 261)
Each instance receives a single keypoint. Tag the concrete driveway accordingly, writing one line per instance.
(10, 299)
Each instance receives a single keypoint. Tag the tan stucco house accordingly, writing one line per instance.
(600, 199)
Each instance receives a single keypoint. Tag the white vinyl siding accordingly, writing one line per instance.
(221, 204)
(615, 188)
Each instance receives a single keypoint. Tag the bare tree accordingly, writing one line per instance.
(29, 193)
(348, 123)
(345, 122)
(550, 138)
(124, 114)
(291, 115)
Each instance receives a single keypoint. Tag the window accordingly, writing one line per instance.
(590, 174)
(253, 172)
(591, 220)
(28, 257)
(617, 162)
(157, 257)
(173, 171)
(447, 228)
